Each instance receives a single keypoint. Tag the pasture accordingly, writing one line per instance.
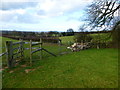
(102, 36)
(67, 39)
(90, 68)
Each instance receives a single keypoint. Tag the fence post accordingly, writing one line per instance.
(41, 47)
(30, 52)
(22, 48)
(11, 61)
(59, 42)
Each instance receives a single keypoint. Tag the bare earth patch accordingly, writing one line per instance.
(28, 70)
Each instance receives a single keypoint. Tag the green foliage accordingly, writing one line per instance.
(116, 36)
(67, 39)
(101, 37)
(70, 32)
(53, 33)
(82, 37)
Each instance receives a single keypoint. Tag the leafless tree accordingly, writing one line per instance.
(104, 14)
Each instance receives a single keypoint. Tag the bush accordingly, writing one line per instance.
(116, 37)
(82, 37)
(34, 38)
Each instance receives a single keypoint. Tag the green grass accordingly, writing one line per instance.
(85, 69)
(67, 39)
(90, 68)
(3, 41)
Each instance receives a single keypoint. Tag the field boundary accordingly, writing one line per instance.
(15, 51)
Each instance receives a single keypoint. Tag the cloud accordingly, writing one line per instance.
(61, 7)
(16, 5)
(42, 14)
(49, 8)
(18, 16)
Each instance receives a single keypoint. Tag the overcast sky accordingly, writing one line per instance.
(42, 15)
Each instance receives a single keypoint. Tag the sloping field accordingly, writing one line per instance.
(90, 68)
(85, 69)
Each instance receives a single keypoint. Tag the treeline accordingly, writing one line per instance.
(35, 36)
(93, 32)
(43, 34)
(69, 32)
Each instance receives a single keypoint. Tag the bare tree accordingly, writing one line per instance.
(103, 15)
(102, 12)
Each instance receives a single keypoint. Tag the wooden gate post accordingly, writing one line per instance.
(30, 52)
(41, 47)
(59, 43)
(10, 60)
(22, 49)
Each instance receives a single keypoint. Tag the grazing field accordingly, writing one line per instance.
(102, 36)
(85, 69)
(67, 39)
(90, 68)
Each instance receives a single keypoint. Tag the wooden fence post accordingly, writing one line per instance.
(59, 42)
(30, 52)
(22, 48)
(11, 61)
(41, 47)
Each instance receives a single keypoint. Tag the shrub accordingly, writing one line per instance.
(82, 37)
(34, 38)
(116, 37)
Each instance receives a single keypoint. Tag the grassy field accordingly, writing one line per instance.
(102, 36)
(90, 68)
(67, 39)
(86, 69)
